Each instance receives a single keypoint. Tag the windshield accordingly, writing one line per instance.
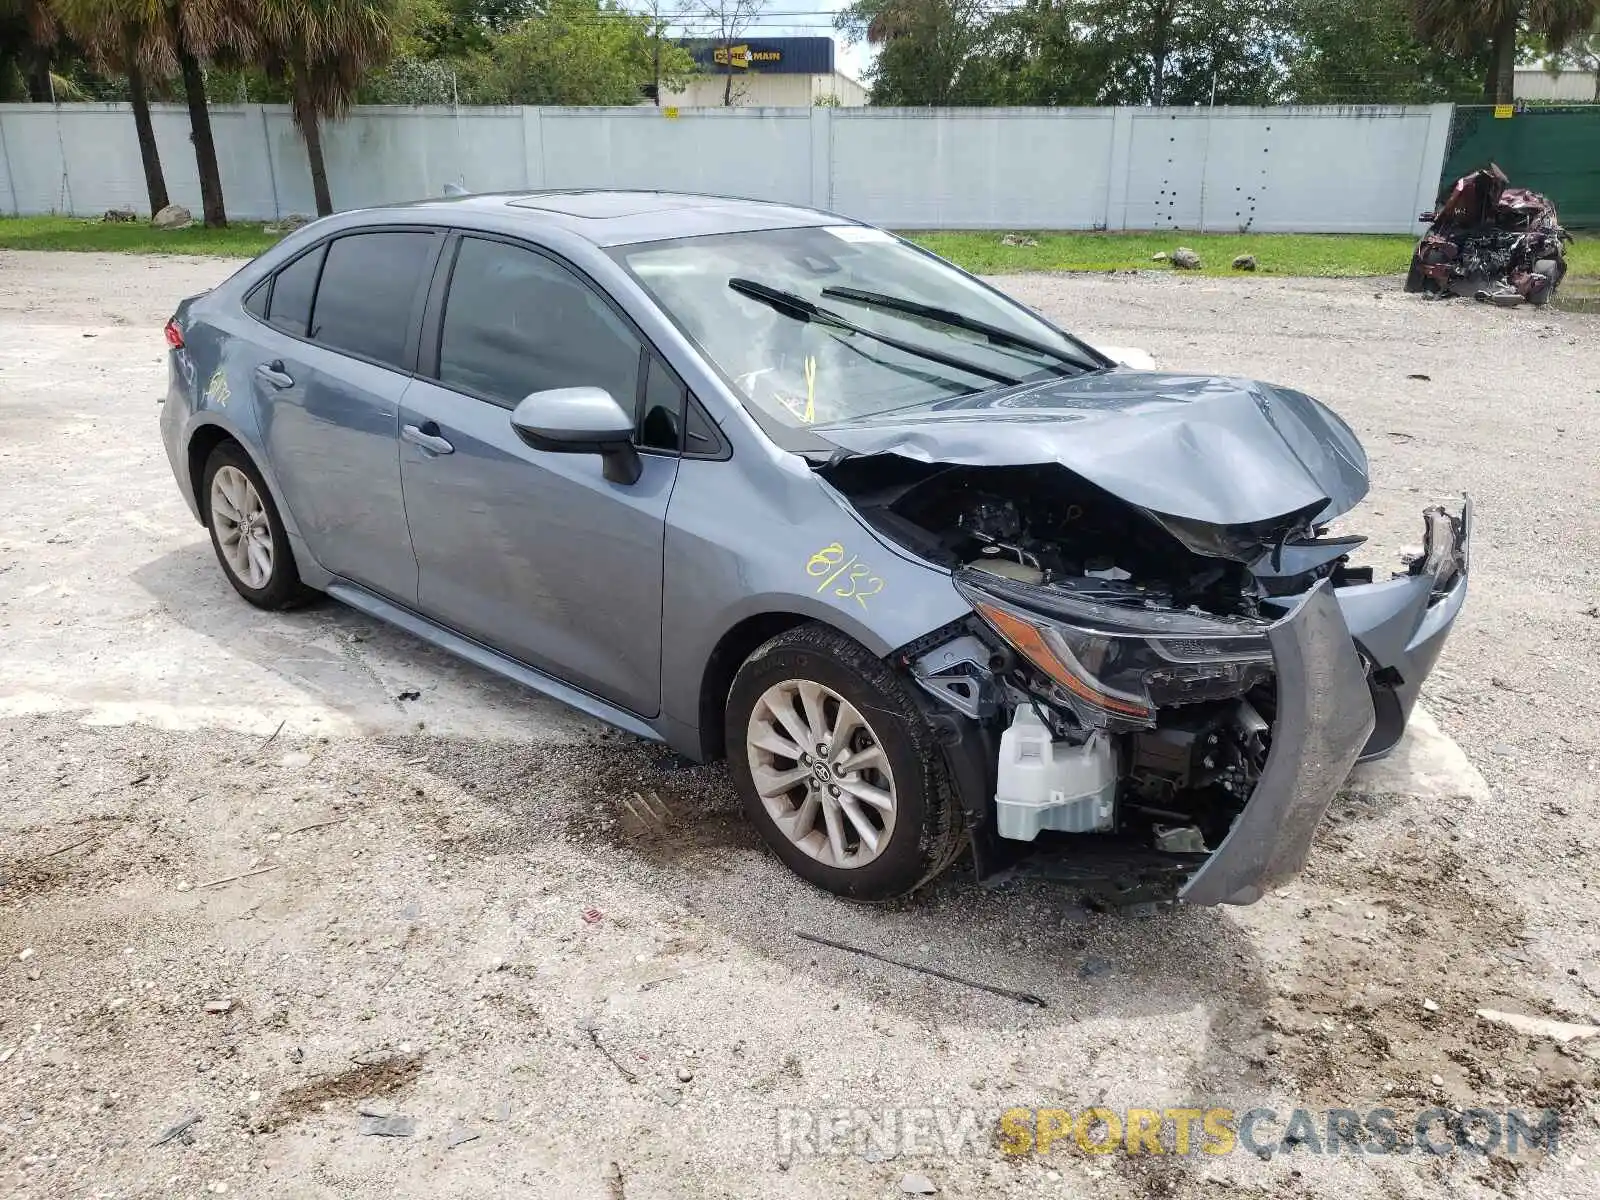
(772, 310)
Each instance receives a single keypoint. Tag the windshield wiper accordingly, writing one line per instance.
(944, 316)
(802, 309)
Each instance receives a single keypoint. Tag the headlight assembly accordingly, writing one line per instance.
(1118, 664)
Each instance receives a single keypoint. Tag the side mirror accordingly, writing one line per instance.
(580, 420)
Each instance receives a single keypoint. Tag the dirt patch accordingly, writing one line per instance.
(379, 1078)
(608, 791)
(23, 878)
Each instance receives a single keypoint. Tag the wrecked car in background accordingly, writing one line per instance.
(1491, 241)
(763, 483)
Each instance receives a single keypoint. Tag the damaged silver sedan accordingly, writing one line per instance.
(935, 577)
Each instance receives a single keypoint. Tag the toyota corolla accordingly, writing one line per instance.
(764, 483)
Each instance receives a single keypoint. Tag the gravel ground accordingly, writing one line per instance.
(242, 879)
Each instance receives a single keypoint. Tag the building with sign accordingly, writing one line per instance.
(779, 72)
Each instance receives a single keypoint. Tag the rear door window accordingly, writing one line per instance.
(368, 293)
(516, 322)
(290, 307)
(256, 302)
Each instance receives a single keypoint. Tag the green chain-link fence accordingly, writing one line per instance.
(1554, 150)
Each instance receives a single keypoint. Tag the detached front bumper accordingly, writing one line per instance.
(1350, 663)
(1401, 625)
(1324, 719)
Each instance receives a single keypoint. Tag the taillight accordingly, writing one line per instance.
(174, 334)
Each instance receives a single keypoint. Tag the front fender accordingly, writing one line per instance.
(739, 546)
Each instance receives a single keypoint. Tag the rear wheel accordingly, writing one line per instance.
(837, 767)
(247, 532)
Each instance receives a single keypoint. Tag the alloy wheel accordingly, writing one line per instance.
(243, 529)
(821, 773)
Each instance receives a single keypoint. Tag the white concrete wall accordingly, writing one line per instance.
(1271, 169)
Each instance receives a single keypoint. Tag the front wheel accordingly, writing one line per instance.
(837, 767)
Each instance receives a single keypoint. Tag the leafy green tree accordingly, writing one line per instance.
(409, 80)
(930, 52)
(1052, 52)
(1039, 51)
(29, 37)
(1183, 52)
(322, 49)
(1464, 27)
(457, 28)
(578, 52)
(1367, 52)
(660, 14)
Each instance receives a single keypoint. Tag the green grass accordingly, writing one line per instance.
(1302, 254)
(241, 239)
(1276, 253)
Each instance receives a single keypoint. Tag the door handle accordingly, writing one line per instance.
(274, 374)
(427, 436)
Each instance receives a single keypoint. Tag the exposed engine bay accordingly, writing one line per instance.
(1126, 676)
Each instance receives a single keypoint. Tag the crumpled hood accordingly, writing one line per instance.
(1204, 448)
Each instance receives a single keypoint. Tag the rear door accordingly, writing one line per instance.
(531, 552)
(338, 352)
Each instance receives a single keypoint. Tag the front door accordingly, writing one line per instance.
(534, 553)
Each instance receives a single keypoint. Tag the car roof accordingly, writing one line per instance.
(613, 217)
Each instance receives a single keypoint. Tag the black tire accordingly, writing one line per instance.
(282, 588)
(927, 835)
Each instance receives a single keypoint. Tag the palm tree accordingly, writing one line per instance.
(28, 31)
(1466, 26)
(129, 36)
(322, 49)
(200, 29)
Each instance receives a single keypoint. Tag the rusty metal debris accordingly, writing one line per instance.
(1497, 243)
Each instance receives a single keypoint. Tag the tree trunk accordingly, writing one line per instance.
(155, 183)
(1159, 35)
(38, 73)
(305, 116)
(205, 150)
(1500, 86)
